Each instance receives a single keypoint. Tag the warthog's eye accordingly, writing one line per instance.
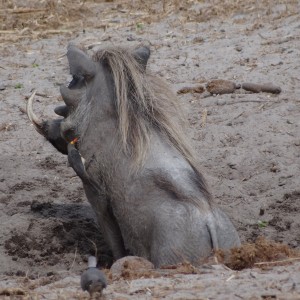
(76, 82)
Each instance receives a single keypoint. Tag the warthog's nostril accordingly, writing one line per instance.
(68, 131)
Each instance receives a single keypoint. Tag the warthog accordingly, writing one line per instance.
(138, 172)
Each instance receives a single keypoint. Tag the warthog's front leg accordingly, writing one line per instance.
(106, 221)
(105, 218)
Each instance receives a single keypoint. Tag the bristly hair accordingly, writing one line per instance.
(144, 103)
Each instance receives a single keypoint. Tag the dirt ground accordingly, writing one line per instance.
(248, 143)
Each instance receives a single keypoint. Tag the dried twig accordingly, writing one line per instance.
(75, 254)
(204, 117)
(277, 261)
(279, 40)
(230, 277)
(43, 95)
(22, 110)
(22, 10)
(195, 89)
(40, 95)
(246, 101)
(12, 292)
(239, 115)
(264, 38)
(61, 56)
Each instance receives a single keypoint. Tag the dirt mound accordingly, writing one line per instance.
(259, 254)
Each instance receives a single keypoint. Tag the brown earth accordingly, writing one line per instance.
(248, 143)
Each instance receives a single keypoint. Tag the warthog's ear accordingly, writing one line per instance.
(142, 55)
(80, 63)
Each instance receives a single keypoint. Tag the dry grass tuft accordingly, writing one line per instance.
(40, 19)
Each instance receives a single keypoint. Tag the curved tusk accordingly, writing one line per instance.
(38, 124)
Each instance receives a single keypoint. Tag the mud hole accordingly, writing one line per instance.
(248, 143)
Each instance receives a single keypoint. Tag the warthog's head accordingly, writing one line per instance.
(59, 132)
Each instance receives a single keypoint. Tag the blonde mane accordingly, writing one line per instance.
(145, 103)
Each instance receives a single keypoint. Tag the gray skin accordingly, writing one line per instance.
(137, 215)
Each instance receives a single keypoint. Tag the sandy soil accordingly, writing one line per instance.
(248, 143)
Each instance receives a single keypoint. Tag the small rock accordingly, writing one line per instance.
(282, 181)
(221, 102)
(293, 244)
(238, 48)
(274, 169)
(198, 40)
(2, 86)
(232, 166)
(278, 63)
(290, 107)
(131, 38)
(20, 273)
(297, 143)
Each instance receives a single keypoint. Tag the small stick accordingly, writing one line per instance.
(61, 56)
(39, 94)
(7, 31)
(262, 36)
(239, 115)
(90, 46)
(22, 10)
(204, 117)
(53, 31)
(195, 89)
(43, 95)
(277, 261)
(22, 110)
(246, 101)
(75, 254)
(231, 277)
(249, 101)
